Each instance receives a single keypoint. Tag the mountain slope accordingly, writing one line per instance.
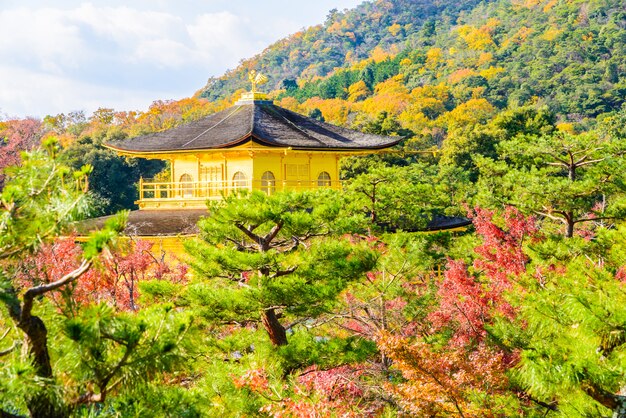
(344, 38)
(567, 54)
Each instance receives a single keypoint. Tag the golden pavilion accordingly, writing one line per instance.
(253, 145)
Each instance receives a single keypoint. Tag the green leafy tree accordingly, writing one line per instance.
(570, 325)
(263, 260)
(403, 198)
(112, 178)
(571, 179)
(70, 362)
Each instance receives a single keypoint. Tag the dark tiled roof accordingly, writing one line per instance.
(442, 223)
(165, 222)
(260, 121)
(174, 222)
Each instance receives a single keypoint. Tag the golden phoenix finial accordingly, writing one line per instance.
(257, 79)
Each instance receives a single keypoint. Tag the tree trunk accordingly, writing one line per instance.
(569, 221)
(41, 404)
(276, 331)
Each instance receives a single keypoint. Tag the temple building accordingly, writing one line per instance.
(252, 145)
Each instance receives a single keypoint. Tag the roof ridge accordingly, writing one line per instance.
(208, 129)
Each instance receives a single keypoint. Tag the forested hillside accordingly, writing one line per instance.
(336, 303)
(566, 54)
(345, 38)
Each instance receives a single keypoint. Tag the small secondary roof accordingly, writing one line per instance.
(259, 121)
(173, 222)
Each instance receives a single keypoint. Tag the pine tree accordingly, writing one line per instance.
(273, 260)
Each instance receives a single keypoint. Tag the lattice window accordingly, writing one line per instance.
(323, 180)
(268, 182)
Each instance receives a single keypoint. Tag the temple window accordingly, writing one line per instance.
(323, 180)
(240, 181)
(268, 182)
(186, 185)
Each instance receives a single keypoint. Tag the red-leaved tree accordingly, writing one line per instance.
(113, 280)
(455, 368)
(16, 136)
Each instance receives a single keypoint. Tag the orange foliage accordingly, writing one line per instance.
(391, 96)
(519, 37)
(459, 75)
(334, 110)
(446, 382)
(291, 104)
(484, 59)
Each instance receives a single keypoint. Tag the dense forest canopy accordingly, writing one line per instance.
(332, 303)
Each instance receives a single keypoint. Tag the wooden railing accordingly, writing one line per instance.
(214, 190)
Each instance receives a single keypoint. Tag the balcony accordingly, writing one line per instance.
(194, 194)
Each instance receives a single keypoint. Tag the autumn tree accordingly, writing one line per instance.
(17, 136)
(451, 364)
(570, 179)
(70, 361)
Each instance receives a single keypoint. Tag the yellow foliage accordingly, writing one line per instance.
(291, 104)
(415, 121)
(440, 92)
(549, 6)
(484, 59)
(567, 127)
(528, 4)
(334, 110)
(478, 92)
(459, 75)
(471, 112)
(358, 91)
(391, 96)
(394, 29)
(406, 62)
(551, 34)
(378, 54)
(421, 113)
(434, 57)
(476, 39)
(294, 54)
(491, 72)
(393, 103)
(394, 84)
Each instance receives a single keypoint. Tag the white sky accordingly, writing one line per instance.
(61, 56)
